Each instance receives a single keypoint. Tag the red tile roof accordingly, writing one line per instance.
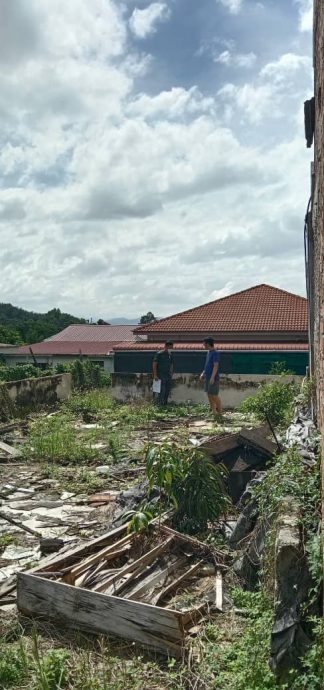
(259, 309)
(72, 348)
(80, 332)
(228, 347)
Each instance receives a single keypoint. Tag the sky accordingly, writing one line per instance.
(152, 154)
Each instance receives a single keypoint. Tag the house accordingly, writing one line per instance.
(253, 329)
(258, 314)
(90, 341)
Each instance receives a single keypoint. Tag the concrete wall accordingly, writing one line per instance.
(43, 391)
(187, 387)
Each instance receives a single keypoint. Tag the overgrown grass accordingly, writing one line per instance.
(30, 664)
(240, 661)
(55, 439)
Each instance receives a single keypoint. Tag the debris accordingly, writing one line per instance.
(102, 498)
(50, 545)
(10, 450)
(103, 469)
(127, 586)
(8, 518)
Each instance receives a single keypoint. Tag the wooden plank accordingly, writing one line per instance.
(71, 556)
(173, 585)
(10, 450)
(158, 628)
(104, 553)
(151, 580)
(139, 563)
(17, 523)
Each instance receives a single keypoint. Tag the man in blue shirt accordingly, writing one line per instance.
(211, 377)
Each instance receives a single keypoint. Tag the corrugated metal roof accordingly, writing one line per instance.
(88, 333)
(72, 348)
(261, 308)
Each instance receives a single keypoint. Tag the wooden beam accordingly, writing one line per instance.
(155, 627)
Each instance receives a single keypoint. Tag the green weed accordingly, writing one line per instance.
(274, 401)
(55, 439)
(51, 669)
(13, 666)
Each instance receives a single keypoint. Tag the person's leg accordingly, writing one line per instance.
(210, 401)
(168, 384)
(218, 404)
(213, 404)
(162, 393)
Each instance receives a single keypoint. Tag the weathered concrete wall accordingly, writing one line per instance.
(188, 387)
(43, 391)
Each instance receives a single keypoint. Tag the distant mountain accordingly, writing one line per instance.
(121, 321)
(19, 326)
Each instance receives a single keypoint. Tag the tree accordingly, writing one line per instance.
(148, 318)
(101, 322)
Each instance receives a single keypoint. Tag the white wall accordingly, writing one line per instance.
(188, 388)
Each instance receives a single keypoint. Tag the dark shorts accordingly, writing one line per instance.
(212, 390)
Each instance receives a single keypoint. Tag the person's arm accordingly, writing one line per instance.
(172, 369)
(215, 368)
(155, 367)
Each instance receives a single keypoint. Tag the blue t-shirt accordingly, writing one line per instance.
(211, 359)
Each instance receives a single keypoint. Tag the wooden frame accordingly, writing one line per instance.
(56, 592)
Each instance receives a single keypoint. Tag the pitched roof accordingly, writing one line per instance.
(261, 308)
(228, 347)
(92, 333)
(55, 347)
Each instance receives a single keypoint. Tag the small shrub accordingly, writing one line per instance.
(86, 375)
(193, 484)
(200, 493)
(273, 401)
(23, 371)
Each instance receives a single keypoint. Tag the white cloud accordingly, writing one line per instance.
(278, 83)
(143, 22)
(305, 14)
(230, 59)
(104, 190)
(234, 6)
(171, 104)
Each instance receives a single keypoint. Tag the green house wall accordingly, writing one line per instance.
(188, 362)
